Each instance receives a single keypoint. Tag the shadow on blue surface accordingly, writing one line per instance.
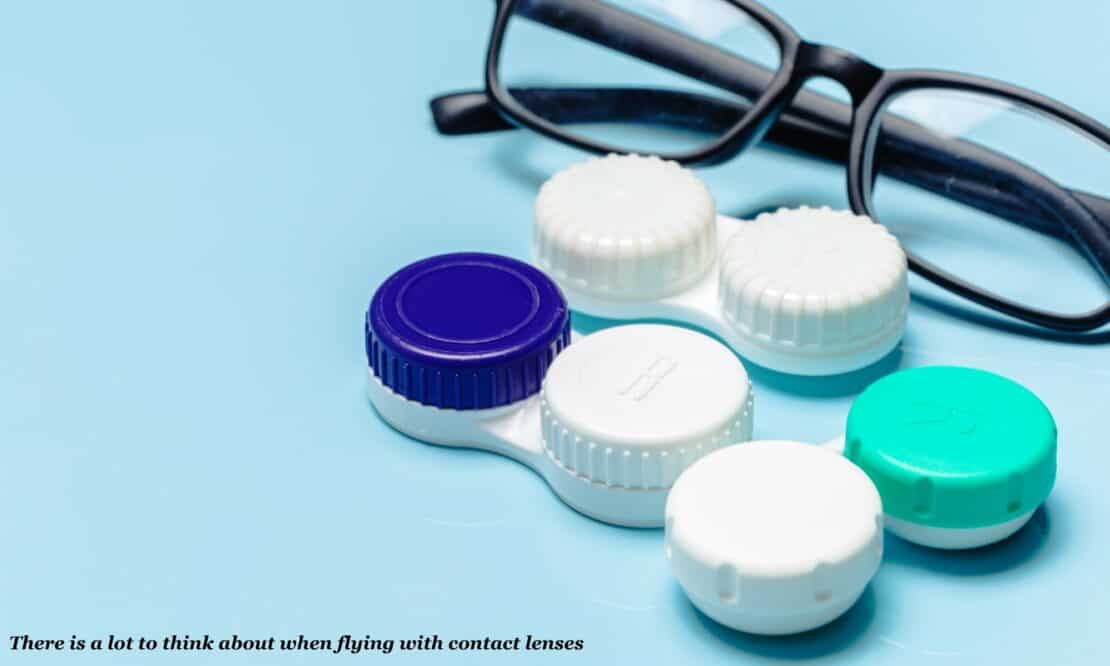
(785, 200)
(1009, 554)
(833, 637)
(829, 386)
(511, 158)
(949, 306)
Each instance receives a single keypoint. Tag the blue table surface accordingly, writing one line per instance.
(196, 202)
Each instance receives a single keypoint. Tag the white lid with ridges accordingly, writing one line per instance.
(773, 537)
(815, 282)
(633, 406)
(625, 227)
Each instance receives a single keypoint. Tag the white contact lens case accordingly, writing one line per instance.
(803, 291)
(774, 537)
(621, 413)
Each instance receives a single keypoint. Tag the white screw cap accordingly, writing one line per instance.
(814, 291)
(632, 406)
(625, 227)
(774, 537)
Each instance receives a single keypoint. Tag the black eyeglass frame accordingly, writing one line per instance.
(870, 88)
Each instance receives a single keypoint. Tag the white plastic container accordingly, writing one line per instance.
(620, 415)
(774, 537)
(804, 291)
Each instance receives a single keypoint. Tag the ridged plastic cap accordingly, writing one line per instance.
(625, 227)
(773, 537)
(633, 406)
(815, 284)
(466, 331)
(953, 447)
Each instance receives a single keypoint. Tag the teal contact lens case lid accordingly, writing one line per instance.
(954, 447)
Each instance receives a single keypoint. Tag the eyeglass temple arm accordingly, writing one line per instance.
(472, 112)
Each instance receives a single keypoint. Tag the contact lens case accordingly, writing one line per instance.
(961, 457)
(773, 537)
(474, 350)
(804, 291)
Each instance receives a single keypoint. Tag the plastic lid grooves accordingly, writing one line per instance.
(953, 447)
(625, 227)
(466, 330)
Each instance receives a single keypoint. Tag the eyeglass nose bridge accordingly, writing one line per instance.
(851, 71)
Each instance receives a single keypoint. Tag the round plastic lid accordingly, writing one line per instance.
(632, 406)
(466, 330)
(625, 227)
(805, 285)
(953, 447)
(773, 537)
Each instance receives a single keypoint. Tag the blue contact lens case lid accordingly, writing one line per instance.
(466, 330)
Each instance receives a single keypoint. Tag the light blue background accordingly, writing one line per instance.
(196, 201)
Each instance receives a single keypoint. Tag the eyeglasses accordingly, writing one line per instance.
(983, 182)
